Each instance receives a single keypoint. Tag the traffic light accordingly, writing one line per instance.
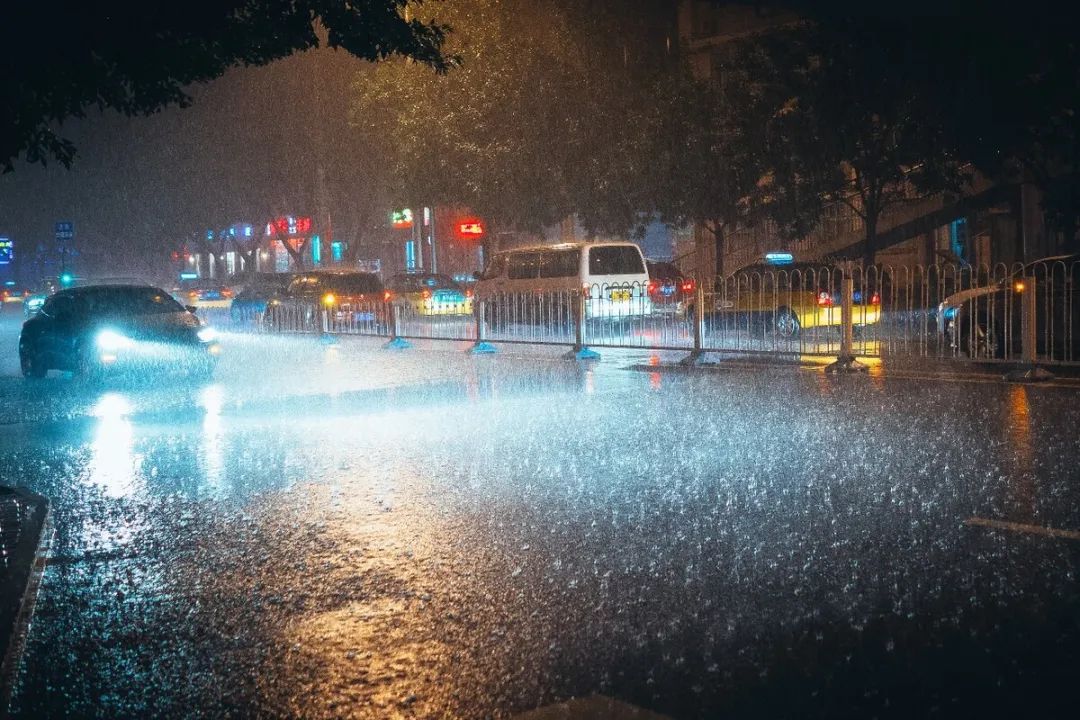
(66, 279)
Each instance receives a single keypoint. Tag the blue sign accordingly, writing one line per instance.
(779, 258)
(7, 251)
(65, 230)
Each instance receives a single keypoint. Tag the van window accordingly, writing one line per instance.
(615, 260)
(560, 263)
(524, 266)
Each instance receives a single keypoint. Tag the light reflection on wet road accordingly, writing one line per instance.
(330, 532)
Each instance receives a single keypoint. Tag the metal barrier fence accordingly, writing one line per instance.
(940, 311)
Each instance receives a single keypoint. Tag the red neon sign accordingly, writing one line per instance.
(288, 225)
(471, 229)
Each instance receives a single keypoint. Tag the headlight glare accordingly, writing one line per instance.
(207, 334)
(111, 341)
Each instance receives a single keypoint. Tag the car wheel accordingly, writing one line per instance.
(786, 324)
(32, 366)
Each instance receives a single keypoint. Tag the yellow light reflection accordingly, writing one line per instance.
(1018, 434)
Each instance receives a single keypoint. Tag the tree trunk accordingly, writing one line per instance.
(871, 239)
(718, 238)
(298, 253)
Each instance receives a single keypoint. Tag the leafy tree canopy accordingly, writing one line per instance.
(61, 59)
(538, 122)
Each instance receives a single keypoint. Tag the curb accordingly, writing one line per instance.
(25, 535)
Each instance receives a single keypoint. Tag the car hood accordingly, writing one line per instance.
(159, 326)
(963, 296)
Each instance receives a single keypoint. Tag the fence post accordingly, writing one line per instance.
(396, 342)
(1029, 371)
(481, 346)
(581, 351)
(698, 327)
(326, 338)
(846, 361)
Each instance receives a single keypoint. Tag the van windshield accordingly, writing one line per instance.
(615, 260)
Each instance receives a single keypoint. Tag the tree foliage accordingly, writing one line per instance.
(539, 121)
(140, 57)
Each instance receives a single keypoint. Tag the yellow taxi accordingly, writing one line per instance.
(788, 298)
(431, 294)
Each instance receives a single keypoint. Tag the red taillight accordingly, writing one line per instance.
(426, 294)
(653, 287)
(227, 292)
(875, 299)
(824, 299)
(688, 286)
(468, 293)
(387, 295)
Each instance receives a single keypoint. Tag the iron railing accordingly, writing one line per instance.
(939, 311)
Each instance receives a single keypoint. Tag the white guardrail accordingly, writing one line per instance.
(940, 311)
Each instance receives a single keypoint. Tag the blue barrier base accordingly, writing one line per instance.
(397, 344)
(582, 354)
(482, 348)
(328, 339)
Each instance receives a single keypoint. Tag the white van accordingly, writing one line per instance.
(611, 275)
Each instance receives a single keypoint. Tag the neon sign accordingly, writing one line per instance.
(470, 229)
(288, 225)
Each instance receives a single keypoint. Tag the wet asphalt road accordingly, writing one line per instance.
(350, 532)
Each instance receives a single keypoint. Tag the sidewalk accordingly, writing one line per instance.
(24, 535)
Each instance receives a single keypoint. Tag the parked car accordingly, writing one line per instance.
(100, 329)
(13, 295)
(787, 299)
(348, 299)
(985, 321)
(431, 294)
(205, 293)
(262, 290)
(669, 290)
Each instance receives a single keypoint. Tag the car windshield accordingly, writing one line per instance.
(121, 301)
(664, 271)
(265, 286)
(418, 283)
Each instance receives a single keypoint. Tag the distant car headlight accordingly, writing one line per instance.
(207, 334)
(112, 341)
(35, 303)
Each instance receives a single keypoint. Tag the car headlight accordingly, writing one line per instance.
(207, 334)
(111, 341)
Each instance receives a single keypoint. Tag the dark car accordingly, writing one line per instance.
(986, 321)
(12, 294)
(669, 289)
(97, 329)
(262, 290)
(338, 301)
(204, 292)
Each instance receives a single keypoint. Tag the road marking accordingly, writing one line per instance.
(1022, 527)
(593, 707)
